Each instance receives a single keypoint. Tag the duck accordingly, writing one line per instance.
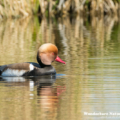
(47, 53)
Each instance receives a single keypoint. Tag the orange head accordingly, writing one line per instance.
(47, 53)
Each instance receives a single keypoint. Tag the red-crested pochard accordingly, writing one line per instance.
(46, 54)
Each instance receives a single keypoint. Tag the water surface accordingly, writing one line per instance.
(89, 82)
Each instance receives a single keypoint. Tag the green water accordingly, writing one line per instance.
(89, 82)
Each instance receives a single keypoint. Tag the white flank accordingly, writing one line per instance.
(31, 67)
(11, 73)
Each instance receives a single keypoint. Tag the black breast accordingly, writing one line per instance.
(48, 70)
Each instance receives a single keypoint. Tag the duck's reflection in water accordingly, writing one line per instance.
(42, 90)
(48, 100)
(47, 97)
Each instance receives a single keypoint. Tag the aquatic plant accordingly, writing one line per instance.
(18, 8)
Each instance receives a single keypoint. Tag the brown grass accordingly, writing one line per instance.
(18, 8)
